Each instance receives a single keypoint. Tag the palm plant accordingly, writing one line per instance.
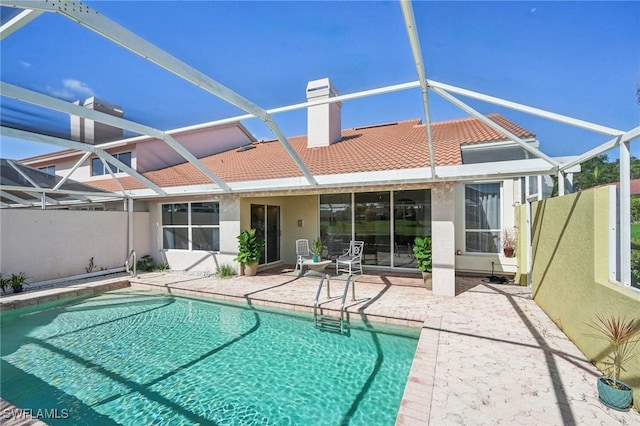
(621, 335)
(17, 281)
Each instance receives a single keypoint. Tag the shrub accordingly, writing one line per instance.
(164, 266)
(422, 253)
(145, 263)
(249, 248)
(225, 271)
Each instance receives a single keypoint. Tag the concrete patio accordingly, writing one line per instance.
(488, 356)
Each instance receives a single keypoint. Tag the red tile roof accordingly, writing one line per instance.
(634, 186)
(392, 146)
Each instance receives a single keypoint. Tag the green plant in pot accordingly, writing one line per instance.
(622, 337)
(249, 251)
(316, 249)
(4, 283)
(17, 282)
(422, 253)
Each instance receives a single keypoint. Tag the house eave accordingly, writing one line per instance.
(367, 180)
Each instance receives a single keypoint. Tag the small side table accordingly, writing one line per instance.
(315, 266)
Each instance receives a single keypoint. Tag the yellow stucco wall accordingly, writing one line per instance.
(292, 209)
(570, 273)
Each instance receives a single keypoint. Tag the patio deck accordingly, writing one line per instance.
(488, 356)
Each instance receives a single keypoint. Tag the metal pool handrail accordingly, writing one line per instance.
(329, 323)
(315, 303)
(127, 265)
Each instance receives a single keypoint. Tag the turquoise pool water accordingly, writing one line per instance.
(139, 358)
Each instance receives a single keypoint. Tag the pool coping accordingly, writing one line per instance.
(40, 296)
(415, 406)
(14, 416)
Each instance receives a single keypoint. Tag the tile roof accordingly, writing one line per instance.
(391, 146)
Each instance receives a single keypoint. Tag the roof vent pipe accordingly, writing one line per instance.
(323, 121)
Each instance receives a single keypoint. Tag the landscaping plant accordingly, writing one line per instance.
(17, 281)
(622, 335)
(317, 246)
(422, 253)
(225, 271)
(145, 263)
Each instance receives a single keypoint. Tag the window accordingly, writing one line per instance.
(482, 218)
(191, 226)
(387, 221)
(51, 170)
(98, 168)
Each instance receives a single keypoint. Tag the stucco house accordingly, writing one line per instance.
(371, 183)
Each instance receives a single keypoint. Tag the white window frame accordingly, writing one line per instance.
(51, 169)
(189, 226)
(115, 169)
(464, 219)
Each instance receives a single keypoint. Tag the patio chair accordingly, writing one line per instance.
(352, 259)
(302, 252)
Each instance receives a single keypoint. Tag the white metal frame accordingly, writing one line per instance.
(94, 21)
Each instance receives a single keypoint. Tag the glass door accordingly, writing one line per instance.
(411, 219)
(373, 226)
(335, 223)
(265, 220)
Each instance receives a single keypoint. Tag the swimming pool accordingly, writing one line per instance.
(135, 357)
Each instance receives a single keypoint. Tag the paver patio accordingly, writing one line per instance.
(488, 356)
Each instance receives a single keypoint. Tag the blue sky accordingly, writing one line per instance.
(581, 59)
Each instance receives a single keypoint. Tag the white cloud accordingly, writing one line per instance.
(25, 64)
(71, 90)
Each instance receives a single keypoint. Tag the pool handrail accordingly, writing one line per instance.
(127, 265)
(322, 321)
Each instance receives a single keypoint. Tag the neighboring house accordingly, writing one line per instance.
(373, 184)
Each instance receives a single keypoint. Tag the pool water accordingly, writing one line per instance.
(137, 358)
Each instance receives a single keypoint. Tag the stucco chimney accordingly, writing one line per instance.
(93, 132)
(323, 121)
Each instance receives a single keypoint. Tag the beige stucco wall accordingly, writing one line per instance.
(83, 172)
(570, 270)
(443, 230)
(292, 209)
(196, 260)
(50, 244)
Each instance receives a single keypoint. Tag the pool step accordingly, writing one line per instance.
(335, 324)
(329, 323)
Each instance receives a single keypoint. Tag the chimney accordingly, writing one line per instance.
(323, 121)
(93, 132)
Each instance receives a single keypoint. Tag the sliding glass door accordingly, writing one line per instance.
(335, 223)
(387, 221)
(411, 219)
(373, 226)
(266, 220)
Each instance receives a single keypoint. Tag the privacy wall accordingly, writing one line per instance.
(50, 244)
(570, 254)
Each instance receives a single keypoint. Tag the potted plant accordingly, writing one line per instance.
(17, 281)
(4, 283)
(621, 335)
(509, 241)
(249, 251)
(316, 249)
(422, 253)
